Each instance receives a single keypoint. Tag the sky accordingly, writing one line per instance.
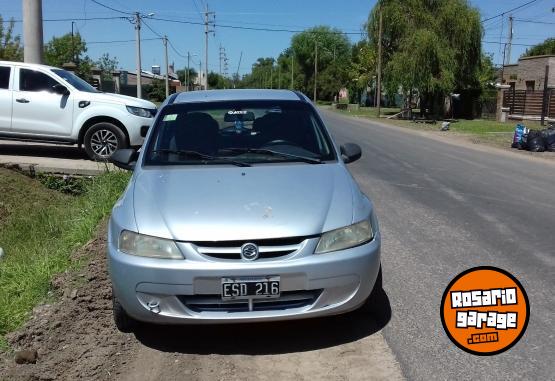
(102, 36)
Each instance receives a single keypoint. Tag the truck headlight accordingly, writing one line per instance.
(139, 111)
(147, 246)
(344, 238)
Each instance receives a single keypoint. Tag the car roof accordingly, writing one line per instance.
(27, 64)
(237, 94)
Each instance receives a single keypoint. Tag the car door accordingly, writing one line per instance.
(5, 98)
(37, 109)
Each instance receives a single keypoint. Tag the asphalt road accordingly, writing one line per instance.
(443, 209)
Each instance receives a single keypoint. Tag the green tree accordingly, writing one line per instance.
(64, 49)
(183, 78)
(10, 44)
(157, 90)
(546, 47)
(261, 75)
(430, 45)
(107, 65)
(363, 68)
(334, 51)
(217, 81)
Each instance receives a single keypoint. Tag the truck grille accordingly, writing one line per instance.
(214, 303)
(267, 248)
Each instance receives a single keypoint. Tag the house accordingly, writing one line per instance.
(529, 73)
(147, 77)
(521, 93)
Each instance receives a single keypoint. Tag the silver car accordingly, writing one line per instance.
(240, 209)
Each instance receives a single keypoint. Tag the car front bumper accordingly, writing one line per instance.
(188, 291)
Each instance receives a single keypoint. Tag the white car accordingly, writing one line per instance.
(48, 104)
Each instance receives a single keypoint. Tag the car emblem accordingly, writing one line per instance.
(249, 251)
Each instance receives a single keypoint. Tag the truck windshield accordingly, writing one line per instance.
(75, 81)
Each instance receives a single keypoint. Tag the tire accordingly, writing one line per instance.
(102, 140)
(123, 321)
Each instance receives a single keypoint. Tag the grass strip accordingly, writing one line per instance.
(39, 229)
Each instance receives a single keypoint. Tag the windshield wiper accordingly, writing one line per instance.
(306, 159)
(201, 156)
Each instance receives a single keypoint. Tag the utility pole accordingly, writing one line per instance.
(292, 71)
(510, 41)
(138, 39)
(379, 88)
(545, 104)
(167, 66)
(72, 44)
(315, 67)
(221, 58)
(279, 76)
(238, 66)
(207, 30)
(32, 31)
(187, 72)
(272, 76)
(199, 76)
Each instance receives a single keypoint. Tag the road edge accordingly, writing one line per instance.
(448, 140)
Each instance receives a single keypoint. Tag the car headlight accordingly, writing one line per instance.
(139, 111)
(147, 246)
(344, 238)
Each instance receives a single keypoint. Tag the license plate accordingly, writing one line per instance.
(250, 288)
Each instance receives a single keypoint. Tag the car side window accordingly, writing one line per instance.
(5, 77)
(31, 80)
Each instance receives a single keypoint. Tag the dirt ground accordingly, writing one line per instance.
(76, 339)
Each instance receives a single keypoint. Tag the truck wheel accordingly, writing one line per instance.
(102, 140)
(124, 322)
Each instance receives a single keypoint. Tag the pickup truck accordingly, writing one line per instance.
(47, 104)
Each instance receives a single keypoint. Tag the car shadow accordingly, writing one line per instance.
(267, 338)
(39, 150)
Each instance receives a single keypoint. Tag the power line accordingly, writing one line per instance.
(510, 10)
(75, 19)
(502, 43)
(110, 8)
(535, 22)
(152, 30)
(250, 28)
(120, 41)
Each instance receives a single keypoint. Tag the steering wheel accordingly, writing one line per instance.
(278, 142)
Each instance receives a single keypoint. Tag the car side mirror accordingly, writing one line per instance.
(125, 158)
(60, 89)
(144, 131)
(350, 152)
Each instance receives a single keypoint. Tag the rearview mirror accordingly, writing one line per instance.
(125, 158)
(60, 89)
(350, 152)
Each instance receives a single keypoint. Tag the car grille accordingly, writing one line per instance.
(267, 248)
(214, 303)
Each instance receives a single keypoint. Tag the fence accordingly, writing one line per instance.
(529, 102)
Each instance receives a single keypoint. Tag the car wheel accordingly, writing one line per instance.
(103, 139)
(124, 322)
(374, 301)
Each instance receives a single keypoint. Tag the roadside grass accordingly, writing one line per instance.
(39, 229)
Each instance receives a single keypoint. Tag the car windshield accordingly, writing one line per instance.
(75, 81)
(247, 132)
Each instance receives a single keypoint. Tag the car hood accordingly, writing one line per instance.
(217, 203)
(120, 99)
